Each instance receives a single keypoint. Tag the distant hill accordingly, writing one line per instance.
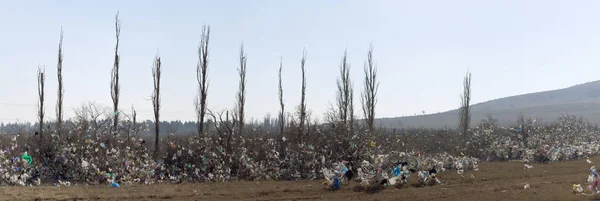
(579, 100)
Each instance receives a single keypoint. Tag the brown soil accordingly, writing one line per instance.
(494, 181)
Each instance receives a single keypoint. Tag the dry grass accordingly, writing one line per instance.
(495, 181)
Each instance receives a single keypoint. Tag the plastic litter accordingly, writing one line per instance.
(27, 158)
(337, 184)
(115, 184)
(91, 153)
(577, 188)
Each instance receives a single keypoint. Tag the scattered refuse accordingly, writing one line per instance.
(93, 155)
(577, 188)
(115, 184)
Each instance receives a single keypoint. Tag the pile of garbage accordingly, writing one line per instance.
(569, 138)
(88, 158)
(592, 184)
(91, 153)
(396, 169)
(392, 170)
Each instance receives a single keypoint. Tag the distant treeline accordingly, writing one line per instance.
(178, 127)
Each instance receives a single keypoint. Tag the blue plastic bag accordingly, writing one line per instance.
(115, 184)
(336, 184)
(397, 171)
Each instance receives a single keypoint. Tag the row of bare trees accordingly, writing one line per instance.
(341, 117)
(114, 87)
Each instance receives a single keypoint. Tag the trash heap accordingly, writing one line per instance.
(569, 138)
(591, 186)
(393, 169)
(90, 153)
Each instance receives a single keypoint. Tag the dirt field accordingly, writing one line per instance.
(494, 181)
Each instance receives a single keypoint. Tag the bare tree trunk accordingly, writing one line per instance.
(135, 126)
(201, 76)
(156, 71)
(41, 80)
(350, 135)
(241, 96)
(465, 107)
(230, 129)
(307, 137)
(114, 84)
(61, 91)
(351, 113)
(371, 87)
(281, 115)
(302, 108)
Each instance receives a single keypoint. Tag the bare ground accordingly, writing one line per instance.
(494, 181)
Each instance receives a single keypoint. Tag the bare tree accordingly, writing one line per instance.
(225, 130)
(99, 117)
(302, 106)
(281, 113)
(489, 122)
(94, 116)
(156, 71)
(241, 95)
(61, 90)
(114, 84)
(344, 94)
(350, 133)
(134, 122)
(351, 110)
(201, 76)
(465, 106)
(340, 116)
(524, 125)
(41, 79)
(369, 95)
(132, 127)
(81, 117)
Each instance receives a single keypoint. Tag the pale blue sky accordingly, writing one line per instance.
(422, 49)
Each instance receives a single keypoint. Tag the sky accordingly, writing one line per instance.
(422, 50)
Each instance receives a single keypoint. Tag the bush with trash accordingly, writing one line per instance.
(91, 153)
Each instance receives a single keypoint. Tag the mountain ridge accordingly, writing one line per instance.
(579, 100)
